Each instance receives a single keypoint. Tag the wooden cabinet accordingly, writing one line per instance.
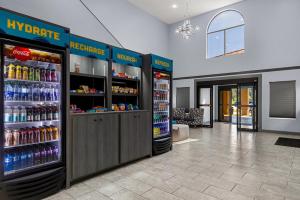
(105, 140)
(95, 143)
(135, 136)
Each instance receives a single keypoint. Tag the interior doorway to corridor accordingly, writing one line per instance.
(230, 101)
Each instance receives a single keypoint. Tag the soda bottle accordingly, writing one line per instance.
(29, 93)
(43, 113)
(29, 114)
(31, 74)
(23, 159)
(18, 72)
(24, 93)
(37, 156)
(9, 92)
(49, 94)
(49, 154)
(23, 136)
(29, 135)
(43, 154)
(37, 76)
(43, 73)
(48, 74)
(55, 152)
(55, 93)
(36, 93)
(23, 114)
(8, 114)
(15, 92)
(16, 160)
(55, 113)
(25, 73)
(11, 71)
(8, 162)
(8, 138)
(16, 114)
(49, 112)
(43, 92)
(30, 158)
(53, 74)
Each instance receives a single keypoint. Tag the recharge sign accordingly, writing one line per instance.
(28, 28)
(88, 48)
(125, 57)
(162, 63)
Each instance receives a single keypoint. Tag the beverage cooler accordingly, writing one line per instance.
(32, 142)
(161, 79)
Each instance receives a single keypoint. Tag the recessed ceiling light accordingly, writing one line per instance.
(174, 6)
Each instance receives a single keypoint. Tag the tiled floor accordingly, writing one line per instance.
(217, 164)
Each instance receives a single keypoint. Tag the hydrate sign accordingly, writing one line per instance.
(161, 63)
(88, 48)
(28, 28)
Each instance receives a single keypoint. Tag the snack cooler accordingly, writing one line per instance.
(160, 70)
(33, 107)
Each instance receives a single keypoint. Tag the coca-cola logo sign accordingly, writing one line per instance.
(21, 53)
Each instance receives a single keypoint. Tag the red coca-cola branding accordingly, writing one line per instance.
(21, 53)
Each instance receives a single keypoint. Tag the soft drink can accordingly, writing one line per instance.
(31, 74)
(25, 73)
(11, 71)
(37, 76)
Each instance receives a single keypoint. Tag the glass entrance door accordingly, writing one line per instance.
(247, 107)
(205, 102)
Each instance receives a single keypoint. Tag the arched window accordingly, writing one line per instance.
(225, 34)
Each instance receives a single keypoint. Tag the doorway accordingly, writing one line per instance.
(237, 102)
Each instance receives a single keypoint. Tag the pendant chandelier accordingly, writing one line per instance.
(187, 29)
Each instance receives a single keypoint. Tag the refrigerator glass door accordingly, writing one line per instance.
(32, 108)
(161, 104)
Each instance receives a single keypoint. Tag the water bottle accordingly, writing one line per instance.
(15, 92)
(36, 93)
(30, 93)
(8, 162)
(37, 156)
(16, 160)
(23, 159)
(29, 158)
(23, 114)
(24, 93)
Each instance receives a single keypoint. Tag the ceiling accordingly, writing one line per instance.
(162, 9)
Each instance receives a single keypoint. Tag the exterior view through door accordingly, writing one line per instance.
(236, 103)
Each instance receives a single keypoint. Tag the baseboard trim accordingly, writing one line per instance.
(280, 132)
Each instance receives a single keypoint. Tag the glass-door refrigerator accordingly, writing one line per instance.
(33, 117)
(161, 75)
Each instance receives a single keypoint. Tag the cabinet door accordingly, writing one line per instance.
(108, 141)
(79, 146)
(128, 137)
(92, 149)
(144, 134)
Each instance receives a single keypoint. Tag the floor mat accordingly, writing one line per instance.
(289, 142)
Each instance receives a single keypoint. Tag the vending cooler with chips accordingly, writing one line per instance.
(33, 103)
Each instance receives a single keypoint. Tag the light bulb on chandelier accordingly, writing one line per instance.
(187, 29)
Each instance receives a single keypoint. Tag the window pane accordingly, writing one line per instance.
(235, 39)
(226, 20)
(215, 44)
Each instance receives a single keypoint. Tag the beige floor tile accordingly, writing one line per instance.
(93, 196)
(78, 190)
(188, 194)
(110, 189)
(134, 185)
(223, 184)
(126, 195)
(224, 194)
(60, 196)
(156, 194)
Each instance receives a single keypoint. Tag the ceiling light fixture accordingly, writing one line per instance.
(174, 6)
(187, 29)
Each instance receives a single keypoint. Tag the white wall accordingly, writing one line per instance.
(136, 30)
(280, 124)
(271, 40)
